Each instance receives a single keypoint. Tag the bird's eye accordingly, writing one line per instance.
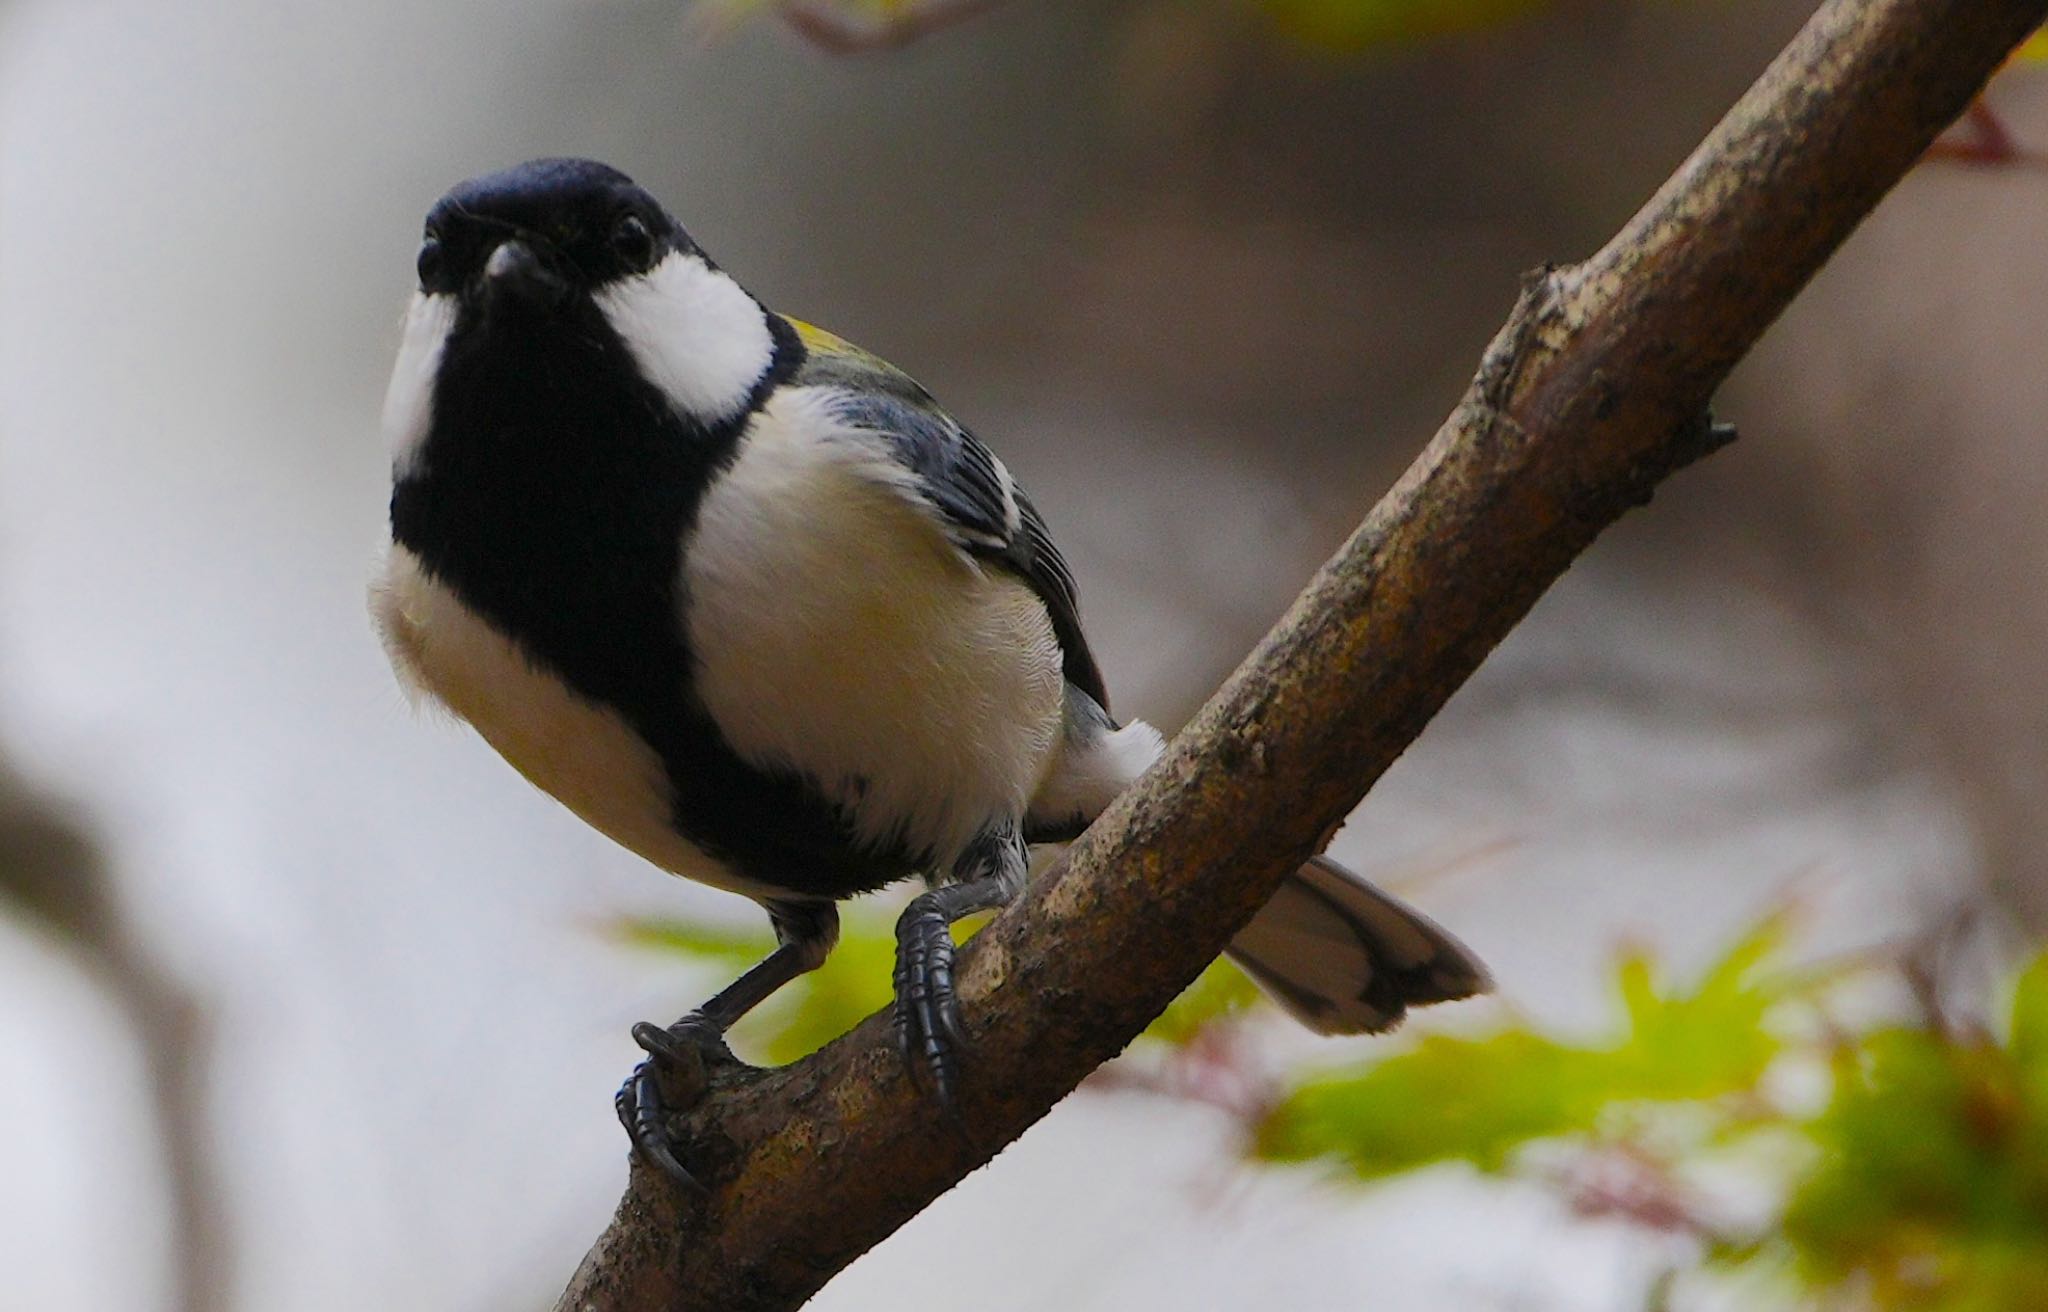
(633, 243)
(432, 264)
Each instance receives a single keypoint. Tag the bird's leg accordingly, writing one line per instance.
(806, 932)
(927, 1012)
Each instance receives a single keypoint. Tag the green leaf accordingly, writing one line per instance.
(855, 982)
(1473, 1100)
(2030, 1024)
(859, 975)
(1932, 1184)
(1710, 1041)
(694, 939)
(1482, 1100)
(1353, 25)
(809, 1012)
(1218, 992)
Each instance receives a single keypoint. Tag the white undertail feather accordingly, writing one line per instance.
(694, 332)
(1094, 764)
(1340, 955)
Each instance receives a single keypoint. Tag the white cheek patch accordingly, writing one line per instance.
(409, 400)
(694, 332)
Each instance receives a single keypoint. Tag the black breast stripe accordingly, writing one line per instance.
(552, 495)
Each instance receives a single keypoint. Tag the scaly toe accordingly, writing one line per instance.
(927, 1012)
(644, 1113)
(672, 1078)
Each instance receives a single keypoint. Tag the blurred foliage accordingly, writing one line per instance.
(1343, 26)
(1920, 1181)
(1340, 26)
(1354, 25)
(1913, 1178)
(1218, 994)
(1480, 1100)
(1931, 1188)
(857, 980)
(807, 1014)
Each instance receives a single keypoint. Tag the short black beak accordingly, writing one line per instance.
(515, 276)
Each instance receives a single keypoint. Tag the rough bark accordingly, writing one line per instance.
(1593, 392)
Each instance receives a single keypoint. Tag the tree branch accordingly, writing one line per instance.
(51, 875)
(1594, 391)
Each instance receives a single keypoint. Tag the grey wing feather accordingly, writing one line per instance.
(955, 473)
(984, 511)
(1343, 957)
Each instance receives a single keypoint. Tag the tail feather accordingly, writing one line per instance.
(1345, 958)
(1341, 956)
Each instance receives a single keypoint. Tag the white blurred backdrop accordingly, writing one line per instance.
(1205, 293)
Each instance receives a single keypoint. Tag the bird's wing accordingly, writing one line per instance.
(979, 504)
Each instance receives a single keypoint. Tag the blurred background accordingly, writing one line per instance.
(310, 1003)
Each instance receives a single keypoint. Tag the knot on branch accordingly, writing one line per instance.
(1695, 439)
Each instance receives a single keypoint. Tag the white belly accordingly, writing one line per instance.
(581, 753)
(838, 632)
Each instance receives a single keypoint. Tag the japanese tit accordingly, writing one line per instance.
(744, 598)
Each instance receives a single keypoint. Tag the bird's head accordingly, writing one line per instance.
(565, 270)
(525, 240)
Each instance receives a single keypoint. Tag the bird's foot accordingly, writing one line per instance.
(671, 1080)
(927, 1012)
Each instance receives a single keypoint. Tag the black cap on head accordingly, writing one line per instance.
(584, 224)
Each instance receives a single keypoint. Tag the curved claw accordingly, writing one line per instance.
(645, 1115)
(676, 1053)
(928, 1028)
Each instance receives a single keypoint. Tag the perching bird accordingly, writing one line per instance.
(744, 598)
